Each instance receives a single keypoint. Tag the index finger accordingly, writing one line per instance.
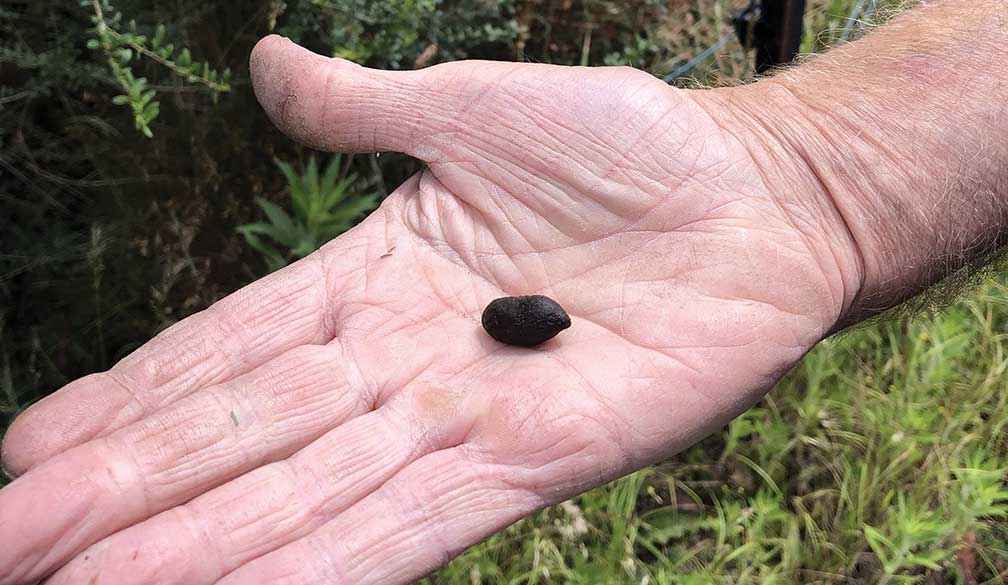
(286, 309)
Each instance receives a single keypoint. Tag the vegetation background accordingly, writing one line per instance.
(139, 183)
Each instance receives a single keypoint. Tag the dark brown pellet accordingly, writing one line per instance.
(525, 321)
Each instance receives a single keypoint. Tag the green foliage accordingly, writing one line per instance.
(913, 539)
(393, 35)
(120, 48)
(324, 207)
(977, 492)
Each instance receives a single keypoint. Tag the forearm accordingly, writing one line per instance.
(904, 134)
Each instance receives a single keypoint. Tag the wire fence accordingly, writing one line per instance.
(860, 15)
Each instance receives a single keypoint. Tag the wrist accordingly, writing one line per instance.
(787, 148)
(898, 140)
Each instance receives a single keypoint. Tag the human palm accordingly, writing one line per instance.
(346, 419)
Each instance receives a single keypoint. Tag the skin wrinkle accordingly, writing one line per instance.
(332, 571)
(410, 502)
(122, 380)
(620, 155)
(327, 328)
(582, 169)
(844, 305)
(432, 283)
(635, 343)
(548, 490)
(307, 480)
(515, 128)
(886, 211)
(592, 142)
(576, 177)
(201, 530)
(321, 506)
(295, 508)
(514, 224)
(476, 218)
(532, 183)
(607, 405)
(189, 464)
(860, 266)
(592, 241)
(326, 504)
(491, 226)
(810, 250)
(473, 99)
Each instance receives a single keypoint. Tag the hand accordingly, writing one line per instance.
(346, 419)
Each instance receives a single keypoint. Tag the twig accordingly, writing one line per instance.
(103, 29)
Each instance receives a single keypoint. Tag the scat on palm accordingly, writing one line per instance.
(380, 431)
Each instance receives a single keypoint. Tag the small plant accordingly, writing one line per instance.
(978, 492)
(120, 48)
(911, 539)
(324, 207)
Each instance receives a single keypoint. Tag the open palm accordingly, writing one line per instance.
(346, 419)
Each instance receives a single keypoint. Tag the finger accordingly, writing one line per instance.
(205, 539)
(283, 310)
(89, 492)
(417, 521)
(334, 104)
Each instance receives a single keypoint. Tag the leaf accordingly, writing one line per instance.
(307, 246)
(340, 222)
(159, 36)
(329, 177)
(184, 58)
(120, 100)
(285, 232)
(296, 192)
(151, 111)
(879, 544)
(255, 228)
(311, 183)
(273, 258)
(340, 192)
(93, 43)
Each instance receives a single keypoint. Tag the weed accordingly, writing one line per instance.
(324, 207)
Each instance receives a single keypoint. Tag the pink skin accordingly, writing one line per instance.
(346, 419)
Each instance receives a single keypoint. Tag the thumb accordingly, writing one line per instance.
(334, 104)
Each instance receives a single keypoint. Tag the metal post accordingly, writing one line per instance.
(778, 33)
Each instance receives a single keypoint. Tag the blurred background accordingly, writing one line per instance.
(140, 182)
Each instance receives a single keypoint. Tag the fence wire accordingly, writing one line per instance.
(860, 14)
